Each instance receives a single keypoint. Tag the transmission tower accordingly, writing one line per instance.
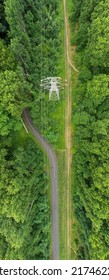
(53, 84)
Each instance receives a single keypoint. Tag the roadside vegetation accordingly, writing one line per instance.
(91, 128)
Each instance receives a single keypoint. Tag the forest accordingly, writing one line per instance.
(29, 31)
(91, 127)
(31, 49)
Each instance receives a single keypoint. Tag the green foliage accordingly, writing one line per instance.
(76, 9)
(7, 61)
(12, 103)
(3, 23)
(84, 12)
(36, 43)
(31, 52)
(98, 47)
(24, 213)
(91, 136)
(12, 92)
(33, 29)
(24, 210)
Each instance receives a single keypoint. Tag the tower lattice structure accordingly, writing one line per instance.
(53, 84)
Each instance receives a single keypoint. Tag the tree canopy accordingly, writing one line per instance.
(91, 129)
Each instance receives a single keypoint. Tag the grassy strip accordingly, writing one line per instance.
(61, 154)
(74, 242)
(62, 204)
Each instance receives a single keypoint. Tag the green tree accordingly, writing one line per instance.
(97, 47)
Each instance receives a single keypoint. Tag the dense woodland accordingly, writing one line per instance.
(28, 33)
(35, 28)
(91, 125)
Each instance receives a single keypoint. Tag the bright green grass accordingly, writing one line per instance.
(62, 204)
(69, 7)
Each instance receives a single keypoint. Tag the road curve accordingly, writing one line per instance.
(54, 180)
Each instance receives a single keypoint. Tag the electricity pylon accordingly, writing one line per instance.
(53, 84)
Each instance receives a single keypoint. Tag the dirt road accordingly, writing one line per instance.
(68, 133)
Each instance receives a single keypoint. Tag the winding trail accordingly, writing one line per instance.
(54, 180)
